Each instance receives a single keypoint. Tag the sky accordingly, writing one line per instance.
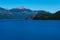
(47, 5)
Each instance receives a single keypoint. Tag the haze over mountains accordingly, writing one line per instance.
(24, 13)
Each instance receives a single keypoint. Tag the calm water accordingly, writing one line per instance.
(29, 30)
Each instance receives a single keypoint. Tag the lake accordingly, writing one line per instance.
(29, 29)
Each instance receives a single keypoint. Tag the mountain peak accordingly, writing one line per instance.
(21, 7)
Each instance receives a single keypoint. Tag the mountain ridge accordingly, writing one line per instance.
(17, 13)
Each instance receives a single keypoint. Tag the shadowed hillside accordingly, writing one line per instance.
(43, 15)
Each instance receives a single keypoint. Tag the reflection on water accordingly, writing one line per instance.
(29, 30)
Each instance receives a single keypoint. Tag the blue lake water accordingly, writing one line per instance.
(29, 29)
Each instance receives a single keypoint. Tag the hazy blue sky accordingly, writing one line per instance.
(48, 5)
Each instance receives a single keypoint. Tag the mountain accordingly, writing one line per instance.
(57, 15)
(44, 15)
(2, 10)
(5, 14)
(15, 13)
(16, 10)
(23, 13)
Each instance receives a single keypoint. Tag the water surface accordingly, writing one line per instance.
(29, 29)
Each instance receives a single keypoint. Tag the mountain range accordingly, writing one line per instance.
(17, 13)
